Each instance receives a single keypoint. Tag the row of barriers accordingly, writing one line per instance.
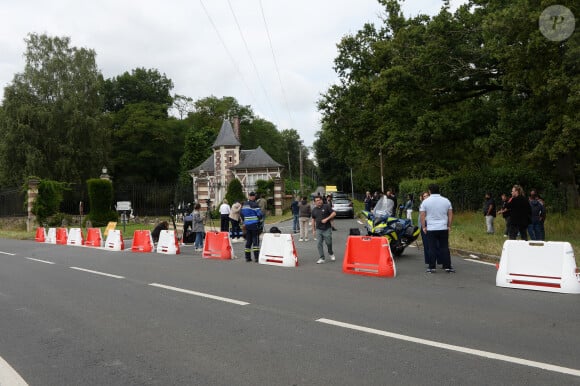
(535, 265)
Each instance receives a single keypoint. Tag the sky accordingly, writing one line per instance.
(275, 56)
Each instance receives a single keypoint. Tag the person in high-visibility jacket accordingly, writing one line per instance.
(252, 217)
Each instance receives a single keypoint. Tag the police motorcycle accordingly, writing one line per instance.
(399, 231)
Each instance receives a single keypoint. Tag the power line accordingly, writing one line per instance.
(251, 58)
(276, 65)
(234, 63)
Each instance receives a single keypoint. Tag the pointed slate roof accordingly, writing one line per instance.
(206, 166)
(256, 158)
(226, 136)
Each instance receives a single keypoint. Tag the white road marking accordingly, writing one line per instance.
(98, 273)
(465, 350)
(480, 262)
(6, 253)
(9, 376)
(40, 261)
(209, 296)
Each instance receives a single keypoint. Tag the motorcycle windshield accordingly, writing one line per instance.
(381, 208)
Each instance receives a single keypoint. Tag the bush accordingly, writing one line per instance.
(235, 192)
(47, 203)
(100, 199)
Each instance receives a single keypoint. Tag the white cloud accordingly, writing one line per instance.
(178, 38)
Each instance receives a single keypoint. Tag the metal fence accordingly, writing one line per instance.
(12, 203)
(146, 199)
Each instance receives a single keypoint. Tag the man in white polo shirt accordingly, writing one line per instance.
(436, 218)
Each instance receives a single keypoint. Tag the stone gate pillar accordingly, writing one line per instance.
(32, 194)
(278, 196)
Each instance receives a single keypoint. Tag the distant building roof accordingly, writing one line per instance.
(226, 136)
(256, 158)
(206, 166)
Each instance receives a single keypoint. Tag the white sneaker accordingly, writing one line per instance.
(305, 239)
(320, 261)
(300, 239)
(332, 258)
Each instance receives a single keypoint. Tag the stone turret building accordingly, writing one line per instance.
(229, 161)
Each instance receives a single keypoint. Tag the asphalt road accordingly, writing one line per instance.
(75, 315)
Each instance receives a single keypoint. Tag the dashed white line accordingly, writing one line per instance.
(40, 261)
(204, 295)
(6, 253)
(98, 273)
(465, 350)
(9, 376)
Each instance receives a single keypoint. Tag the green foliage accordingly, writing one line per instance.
(47, 204)
(456, 91)
(265, 188)
(467, 188)
(100, 199)
(52, 122)
(235, 192)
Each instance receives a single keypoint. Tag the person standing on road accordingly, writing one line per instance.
(198, 227)
(489, 211)
(504, 212)
(236, 230)
(225, 216)
(304, 214)
(368, 201)
(424, 196)
(436, 218)
(295, 215)
(322, 215)
(520, 212)
(252, 218)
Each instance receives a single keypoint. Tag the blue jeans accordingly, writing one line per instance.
(295, 223)
(326, 237)
(198, 240)
(536, 231)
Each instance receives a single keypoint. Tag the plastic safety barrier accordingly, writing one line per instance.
(217, 245)
(537, 265)
(370, 256)
(61, 236)
(94, 238)
(142, 241)
(40, 235)
(75, 237)
(278, 249)
(168, 243)
(114, 241)
(51, 236)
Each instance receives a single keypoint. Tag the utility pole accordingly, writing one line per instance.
(382, 178)
(289, 168)
(301, 171)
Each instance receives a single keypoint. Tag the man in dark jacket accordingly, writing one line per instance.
(252, 217)
(519, 211)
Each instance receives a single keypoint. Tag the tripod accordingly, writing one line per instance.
(172, 214)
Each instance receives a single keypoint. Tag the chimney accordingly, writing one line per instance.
(237, 128)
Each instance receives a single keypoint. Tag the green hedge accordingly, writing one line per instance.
(100, 199)
(466, 189)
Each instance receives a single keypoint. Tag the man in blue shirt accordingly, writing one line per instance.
(436, 218)
(252, 217)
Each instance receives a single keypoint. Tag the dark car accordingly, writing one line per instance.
(343, 207)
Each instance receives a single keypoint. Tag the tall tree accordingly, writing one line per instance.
(141, 85)
(52, 125)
